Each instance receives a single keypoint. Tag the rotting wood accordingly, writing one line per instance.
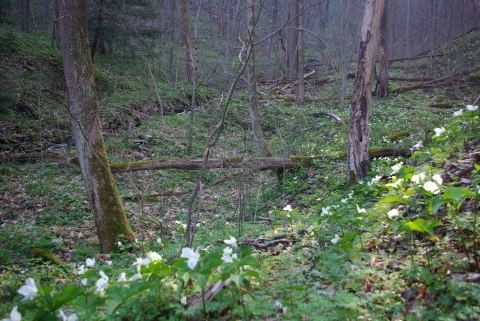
(256, 163)
(210, 292)
(332, 116)
(460, 76)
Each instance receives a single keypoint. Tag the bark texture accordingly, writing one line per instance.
(382, 89)
(292, 35)
(110, 217)
(190, 62)
(252, 84)
(359, 130)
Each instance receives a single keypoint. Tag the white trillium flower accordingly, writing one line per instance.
(183, 300)
(90, 262)
(335, 239)
(439, 131)
(102, 283)
(119, 244)
(326, 211)
(437, 179)
(396, 168)
(71, 317)
(14, 315)
(344, 200)
(418, 178)
(227, 255)
(393, 213)
(472, 107)
(418, 145)
(360, 210)
(122, 277)
(431, 187)
(458, 113)
(84, 282)
(142, 261)
(29, 290)
(397, 183)
(81, 269)
(159, 240)
(231, 241)
(288, 208)
(135, 277)
(192, 257)
(154, 256)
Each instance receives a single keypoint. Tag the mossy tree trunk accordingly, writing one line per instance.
(359, 130)
(110, 217)
(252, 84)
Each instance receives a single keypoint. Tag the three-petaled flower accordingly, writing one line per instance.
(29, 290)
(102, 283)
(90, 262)
(288, 208)
(393, 213)
(439, 131)
(458, 113)
(14, 315)
(335, 239)
(472, 107)
(360, 210)
(192, 257)
(232, 241)
(228, 256)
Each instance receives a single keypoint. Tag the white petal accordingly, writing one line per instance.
(232, 241)
(122, 277)
(154, 256)
(90, 262)
(136, 276)
(15, 315)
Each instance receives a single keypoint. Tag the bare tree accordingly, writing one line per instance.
(357, 155)
(300, 48)
(292, 34)
(25, 15)
(189, 55)
(384, 50)
(252, 83)
(110, 217)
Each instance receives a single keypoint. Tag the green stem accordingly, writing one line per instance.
(475, 214)
(243, 304)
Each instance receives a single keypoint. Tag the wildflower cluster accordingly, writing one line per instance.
(101, 286)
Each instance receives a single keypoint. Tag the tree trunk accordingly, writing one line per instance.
(110, 217)
(252, 84)
(171, 54)
(189, 56)
(300, 47)
(382, 89)
(25, 15)
(357, 155)
(292, 34)
(98, 29)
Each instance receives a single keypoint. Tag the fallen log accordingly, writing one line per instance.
(414, 79)
(437, 82)
(311, 73)
(332, 116)
(254, 163)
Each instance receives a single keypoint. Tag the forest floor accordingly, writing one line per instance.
(337, 255)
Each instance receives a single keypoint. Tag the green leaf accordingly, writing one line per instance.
(477, 166)
(252, 273)
(249, 260)
(391, 199)
(422, 226)
(435, 204)
(237, 279)
(456, 193)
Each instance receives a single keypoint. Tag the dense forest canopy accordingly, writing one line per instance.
(239, 159)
